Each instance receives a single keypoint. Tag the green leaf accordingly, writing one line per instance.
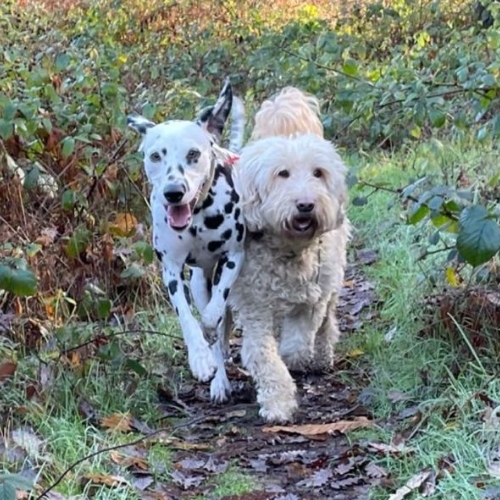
(31, 179)
(7, 490)
(135, 366)
(78, 242)
(62, 62)
(6, 129)
(359, 201)
(68, 200)
(479, 236)
(19, 482)
(437, 117)
(68, 146)
(133, 271)
(350, 67)
(104, 308)
(20, 282)
(418, 212)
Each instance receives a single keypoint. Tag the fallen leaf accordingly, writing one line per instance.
(390, 449)
(7, 369)
(318, 478)
(25, 438)
(374, 470)
(190, 463)
(412, 484)
(342, 426)
(104, 479)
(128, 460)
(186, 481)
(124, 225)
(143, 482)
(117, 422)
(215, 467)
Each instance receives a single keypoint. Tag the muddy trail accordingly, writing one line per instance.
(311, 459)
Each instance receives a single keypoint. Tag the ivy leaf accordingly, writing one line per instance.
(418, 212)
(68, 146)
(479, 235)
(20, 282)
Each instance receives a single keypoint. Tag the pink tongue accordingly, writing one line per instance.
(178, 215)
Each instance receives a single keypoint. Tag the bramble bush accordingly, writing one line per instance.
(73, 200)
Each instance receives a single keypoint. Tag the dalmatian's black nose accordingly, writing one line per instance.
(174, 194)
(305, 208)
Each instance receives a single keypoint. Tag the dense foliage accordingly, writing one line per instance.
(74, 223)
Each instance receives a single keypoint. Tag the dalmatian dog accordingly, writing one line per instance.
(197, 223)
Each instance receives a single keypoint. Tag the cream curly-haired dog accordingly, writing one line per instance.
(292, 185)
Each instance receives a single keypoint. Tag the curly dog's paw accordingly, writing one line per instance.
(279, 411)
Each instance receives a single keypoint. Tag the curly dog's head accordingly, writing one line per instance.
(292, 186)
(290, 112)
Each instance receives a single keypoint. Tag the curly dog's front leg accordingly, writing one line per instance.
(276, 390)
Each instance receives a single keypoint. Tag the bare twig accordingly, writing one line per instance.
(170, 431)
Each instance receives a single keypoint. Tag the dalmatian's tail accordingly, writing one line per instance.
(237, 132)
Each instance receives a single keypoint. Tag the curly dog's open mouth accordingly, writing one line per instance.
(179, 216)
(301, 225)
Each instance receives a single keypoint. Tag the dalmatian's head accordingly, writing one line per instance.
(178, 157)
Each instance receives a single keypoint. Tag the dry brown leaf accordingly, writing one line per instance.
(390, 449)
(7, 369)
(117, 422)
(412, 484)
(124, 225)
(111, 481)
(317, 429)
(128, 460)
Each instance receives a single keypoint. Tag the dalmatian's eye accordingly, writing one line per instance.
(193, 155)
(155, 157)
(284, 174)
(318, 173)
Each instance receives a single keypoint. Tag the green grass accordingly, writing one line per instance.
(422, 367)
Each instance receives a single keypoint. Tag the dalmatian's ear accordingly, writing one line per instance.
(139, 123)
(213, 118)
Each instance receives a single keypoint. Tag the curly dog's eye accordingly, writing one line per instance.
(318, 173)
(155, 157)
(284, 173)
(193, 154)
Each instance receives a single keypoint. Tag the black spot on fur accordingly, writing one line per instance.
(225, 294)
(193, 230)
(226, 172)
(159, 255)
(226, 235)
(240, 228)
(218, 269)
(170, 177)
(164, 152)
(230, 264)
(180, 168)
(180, 236)
(209, 285)
(228, 207)
(215, 245)
(257, 235)
(214, 221)
(187, 294)
(177, 311)
(235, 198)
(207, 202)
(237, 213)
(190, 260)
(172, 287)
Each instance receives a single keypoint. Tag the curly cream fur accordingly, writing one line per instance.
(290, 112)
(285, 296)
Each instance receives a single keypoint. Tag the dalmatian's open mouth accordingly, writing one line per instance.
(179, 216)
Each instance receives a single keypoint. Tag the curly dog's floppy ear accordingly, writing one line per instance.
(213, 118)
(246, 182)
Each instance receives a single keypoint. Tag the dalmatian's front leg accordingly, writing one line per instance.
(214, 313)
(200, 356)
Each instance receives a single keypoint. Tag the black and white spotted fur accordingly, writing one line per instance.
(197, 222)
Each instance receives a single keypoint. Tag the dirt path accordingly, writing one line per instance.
(287, 466)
